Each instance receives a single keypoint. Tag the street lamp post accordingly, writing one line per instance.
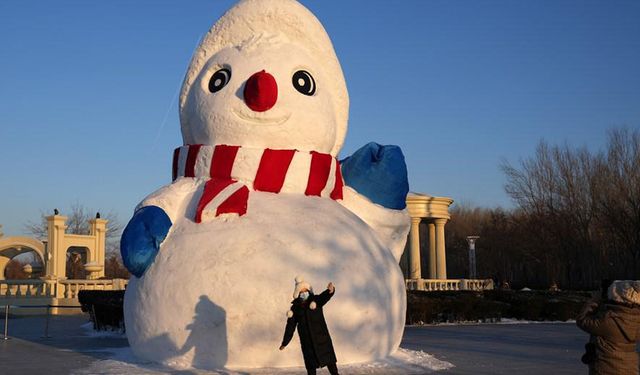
(471, 240)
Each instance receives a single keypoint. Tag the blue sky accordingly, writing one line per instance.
(88, 111)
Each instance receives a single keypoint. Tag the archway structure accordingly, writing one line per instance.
(435, 211)
(53, 252)
(59, 242)
(53, 289)
(12, 246)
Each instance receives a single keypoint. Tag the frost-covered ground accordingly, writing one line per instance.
(514, 348)
(122, 361)
(404, 362)
(517, 347)
(502, 321)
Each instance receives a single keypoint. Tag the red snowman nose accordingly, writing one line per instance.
(261, 91)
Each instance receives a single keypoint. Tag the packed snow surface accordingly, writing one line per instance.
(403, 362)
(89, 331)
(503, 321)
(225, 303)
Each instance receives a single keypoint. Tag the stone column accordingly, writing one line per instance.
(99, 232)
(433, 273)
(3, 264)
(414, 255)
(440, 249)
(56, 247)
(471, 240)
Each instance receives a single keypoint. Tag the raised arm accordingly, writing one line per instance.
(325, 296)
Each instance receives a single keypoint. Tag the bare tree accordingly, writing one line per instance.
(113, 267)
(582, 208)
(618, 203)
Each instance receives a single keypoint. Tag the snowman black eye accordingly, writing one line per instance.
(219, 80)
(304, 82)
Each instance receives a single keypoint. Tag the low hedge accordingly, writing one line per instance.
(493, 305)
(106, 312)
(104, 308)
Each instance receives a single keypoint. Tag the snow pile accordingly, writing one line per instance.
(518, 321)
(403, 362)
(503, 321)
(89, 331)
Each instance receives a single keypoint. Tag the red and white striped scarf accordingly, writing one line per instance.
(232, 170)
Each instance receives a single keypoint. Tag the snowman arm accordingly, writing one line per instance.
(390, 226)
(376, 191)
(150, 224)
(379, 173)
(142, 237)
(289, 329)
(172, 198)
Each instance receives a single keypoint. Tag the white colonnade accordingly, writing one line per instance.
(435, 212)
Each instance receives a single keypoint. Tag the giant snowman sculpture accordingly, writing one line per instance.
(258, 197)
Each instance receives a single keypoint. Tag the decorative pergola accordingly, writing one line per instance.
(54, 289)
(53, 252)
(435, 211)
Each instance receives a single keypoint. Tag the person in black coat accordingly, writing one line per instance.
(306, 314)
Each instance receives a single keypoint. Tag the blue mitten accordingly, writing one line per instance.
(142, 237)
(379, 173)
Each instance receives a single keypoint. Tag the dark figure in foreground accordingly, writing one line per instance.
(590, 348)
(315, 340)
(615, 326)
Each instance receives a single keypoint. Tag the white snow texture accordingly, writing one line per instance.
(403, 362)
(281, 37)
(217, 294)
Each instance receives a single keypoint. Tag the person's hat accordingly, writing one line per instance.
(625, 291)
(300, 284)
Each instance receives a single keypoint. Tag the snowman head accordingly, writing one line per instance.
(266, 76)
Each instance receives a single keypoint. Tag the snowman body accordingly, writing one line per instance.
(214, 295)
(213, 285)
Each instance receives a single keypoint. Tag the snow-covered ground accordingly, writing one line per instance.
(518, 321)
(121, 360)
(405, 361)
(89, 331)
(502, 321)
(478, 349)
